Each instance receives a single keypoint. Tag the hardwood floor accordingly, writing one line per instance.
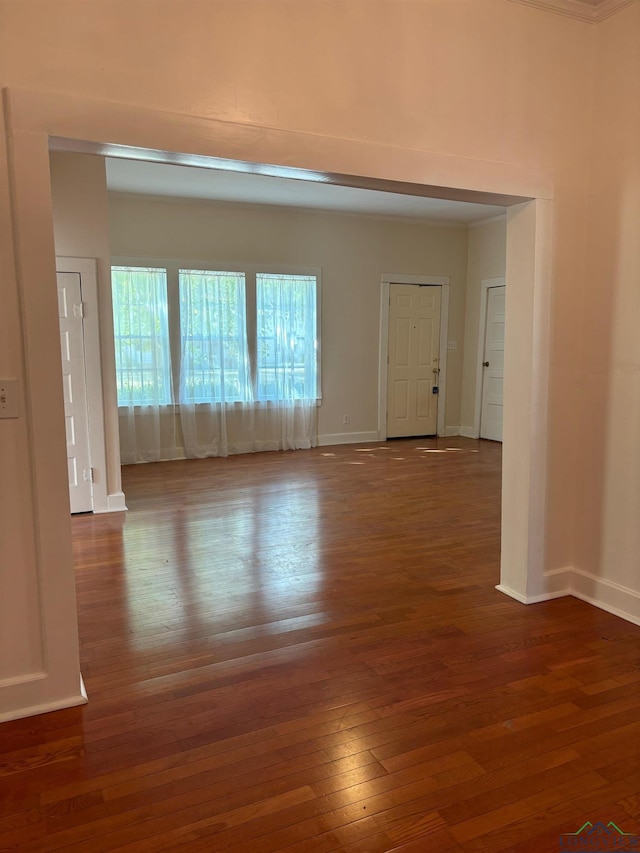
(305, 652)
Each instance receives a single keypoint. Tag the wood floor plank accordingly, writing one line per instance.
(304, 653)
(440, 841)
(542, 830)
(496, 818)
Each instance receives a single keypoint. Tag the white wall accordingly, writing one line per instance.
(607, 533)
(353, 252)
(486, 258)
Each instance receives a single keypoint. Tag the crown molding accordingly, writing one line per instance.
(580, 10)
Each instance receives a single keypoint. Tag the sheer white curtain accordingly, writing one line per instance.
(247, 383)
(242, 348)
(146, 414)
(216, 399)
(286, 361)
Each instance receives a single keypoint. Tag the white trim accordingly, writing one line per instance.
(451, 431)
(608, 595)
(87, 269)
(26, 678)
(478, 223)
(525, 457)
(537, 413)
(468, 432)
(383, 350)
(486, 284)
(547, 596)
(511, 593)
(206, 264)
(383, 364)
(442, 363)
(612, 597)
(43, 708)
(579, 9)
(116, 502)
(557, 582)
(531, 599)
(75, 123)
(48, 611)
(347, 438)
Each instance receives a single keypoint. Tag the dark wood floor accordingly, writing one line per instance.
(305, 652)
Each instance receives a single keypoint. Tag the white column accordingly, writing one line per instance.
(39, 663)
(524, 480)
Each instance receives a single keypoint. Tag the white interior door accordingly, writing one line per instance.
(75, 391)
(414, 359)
(493, 366)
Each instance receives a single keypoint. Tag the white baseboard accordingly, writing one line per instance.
(511, 593)
(115, 503)
(547, 596)
(31, 710)
(450, 431)
(607, 595)
(558, 582)
(468, 432)
(530, 599)
(347, 438)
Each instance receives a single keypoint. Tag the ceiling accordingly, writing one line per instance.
(144, 178)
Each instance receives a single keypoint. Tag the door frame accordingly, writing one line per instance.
(46, 667)
(429, 280)
(76, 405)
(87, 269)
(486, 285)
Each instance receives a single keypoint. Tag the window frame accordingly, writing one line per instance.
(172, 266)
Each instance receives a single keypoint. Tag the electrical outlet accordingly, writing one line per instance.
(345, 419)
(8, 398)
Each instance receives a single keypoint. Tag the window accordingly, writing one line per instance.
(213, 333)
(143, 365)
(286, 337)
(219, 336)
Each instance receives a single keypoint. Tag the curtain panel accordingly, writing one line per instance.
(222, 363)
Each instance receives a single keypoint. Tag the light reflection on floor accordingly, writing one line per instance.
(187, 558)
(239, 560)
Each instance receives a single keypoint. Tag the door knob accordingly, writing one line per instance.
(485, 364)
